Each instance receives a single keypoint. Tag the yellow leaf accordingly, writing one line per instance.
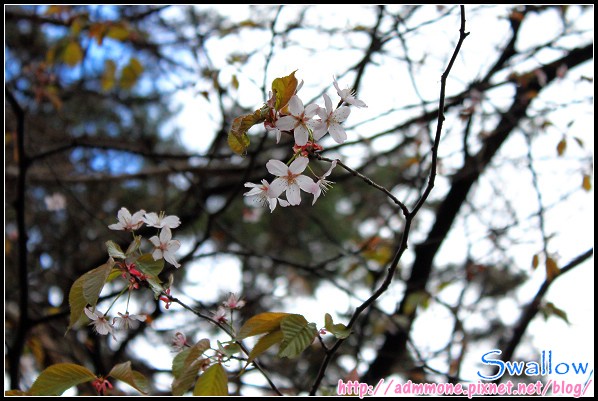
(535, 261)
(72, 54)
(124, 373)
(131, 73)
(552, 270)
(262, 323)
(108, 77)
(118, 32)
(562, 145)
(264, 343)
(213, 382)
(284, 88)
(587, 183)
(58, 378)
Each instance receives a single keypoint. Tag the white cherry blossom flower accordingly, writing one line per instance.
(160, 221)
(165, 247)
(126, 321)
(101, 325)
(322, 185)
(126, 221)
(331, 121)
(233, 302)
(261, 193)
(220, 315)
(179, 341)
(348, 96)
(300, 120)
(55, 202)
(289, 179)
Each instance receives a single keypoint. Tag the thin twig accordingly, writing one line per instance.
(408, 215)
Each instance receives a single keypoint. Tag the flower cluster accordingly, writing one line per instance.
(300, 121)
(164, 246)
(136, 267)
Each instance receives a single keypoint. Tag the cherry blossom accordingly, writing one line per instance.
(261, 193)
(99, 322)
(233, 302)
(322, 185)
(300, 120)
(220, 315)
(348, 96)
(166, 298)
(165, 247)
(179, 341)
(332, 120)
(55, 202)
(126, 321)
(289, 179)
(126, 221)
(101, 385)
(160, 221)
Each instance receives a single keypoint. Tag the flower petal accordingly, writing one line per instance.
(277, 187)
(305, 183)
(301, 135)
(298, 165)
(155, 241)
(294, 194)
(327, 103)
(337, 133)
(277, 168)
(341, 114)
(311, 110)
(286, 123)
(165, 235)
(295, 106)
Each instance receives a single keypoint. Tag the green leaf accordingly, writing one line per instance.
(134, 245)
(114, 250)
(72, 54)
(298, 335)
(187, 377)
(86, 290)
(284, 88)
(264, 343)
(77, 301)
(229, 350)
(338, 330)
(124, 373)
(184, 358)
(131, 73)
(109, 75)
(58, 378)
(150, 267)
(94, 282)
(178, 362)
(262, 323)
(188, 366)
(213, 382)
